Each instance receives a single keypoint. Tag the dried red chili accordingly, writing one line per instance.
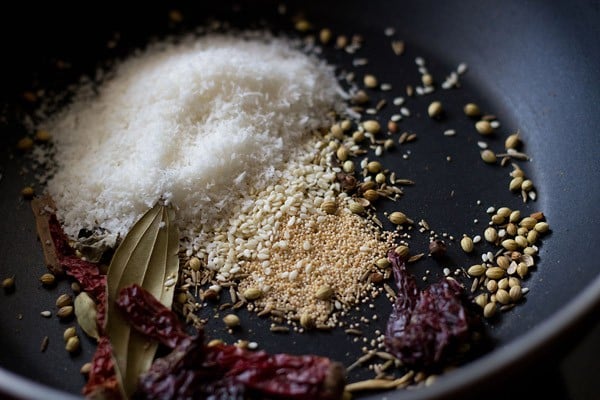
(194, 370)
(426, 327)
(86, 273)
(102, 381)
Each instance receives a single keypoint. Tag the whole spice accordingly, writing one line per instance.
(488, 156)
(472, 110)
(512, 141)
(435, 109)
(440, 308)
(48, 279)
(371, 126)
(8, 284)
(148, 255)
(370, 81)
(64, 300)
(466, 243)
(69, 333)
(72, 344)
(195, 370)
(65, 312)
(484, 127)
(86, 313)
(398, 218)
(252, 293)
(231, 320)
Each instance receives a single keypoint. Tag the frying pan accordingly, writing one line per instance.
(534, 64)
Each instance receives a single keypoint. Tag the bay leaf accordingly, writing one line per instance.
(147, 256)
(86, 314)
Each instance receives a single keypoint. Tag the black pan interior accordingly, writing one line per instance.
(536, 65)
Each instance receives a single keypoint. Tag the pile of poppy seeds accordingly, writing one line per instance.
(279, 213)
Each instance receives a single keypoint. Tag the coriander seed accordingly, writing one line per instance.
(466, 243)
(397, 218)
(86, 368)
(435, 109)
(64, 300)
(488, 156)
(472, 110)
(489, 310)
(48, 279)
(252, 293)
(231, 320)
(371, 126)
(65, 312)
(69, 333)
(513, 141)
(374, 167)
(370, 81)
(402, 251)
(324, 293)
(72, 344)
(484, 127)
(8, 284)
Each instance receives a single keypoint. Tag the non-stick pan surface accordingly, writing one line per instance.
(534, 64)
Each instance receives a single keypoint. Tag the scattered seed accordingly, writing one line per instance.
(374, 167)
(435, 109)
(488, 156)
(512, 141)
(541, 227)
(65, 312)
(8, 284)
(69, 333)
(44, 344)
(48, 279)
(494, 272)
(86, 368)
(489, 310)
(484, 127)
(64, 300)
(279, 329)
(46, 314)
(472, 110)
(476, 270)
(398, 47)
(356, 207)
(370, 81)
(515, 183)
(402, 251)
(397, 218)
(515, 293)
(72, 344)
(427, 79)
(231, 320)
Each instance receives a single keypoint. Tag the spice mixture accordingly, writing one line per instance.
(274, 173)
